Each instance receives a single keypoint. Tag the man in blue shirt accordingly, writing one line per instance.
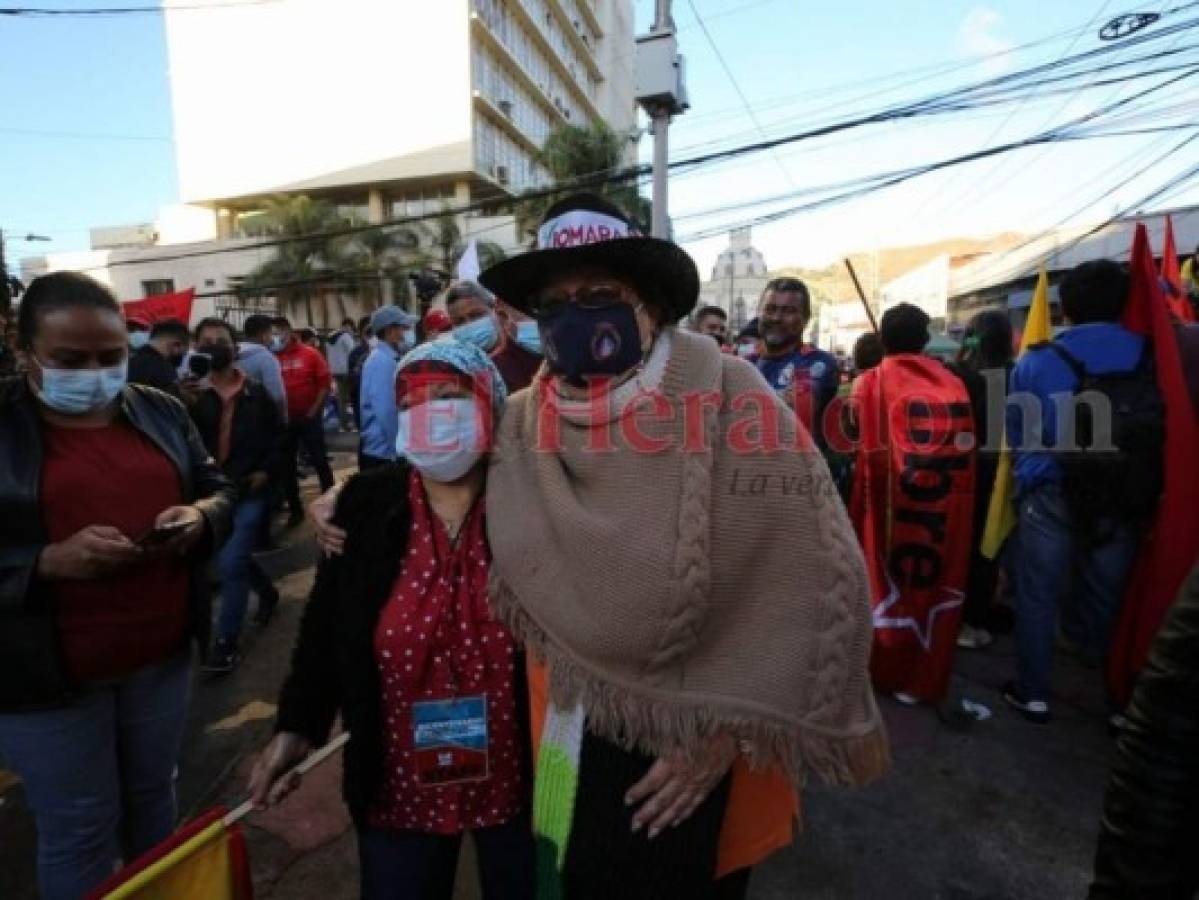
(806, 377)
(1054, 557)
(377, 396)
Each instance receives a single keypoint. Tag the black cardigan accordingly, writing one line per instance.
(333, 666)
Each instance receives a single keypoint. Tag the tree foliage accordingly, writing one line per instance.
(572, 152)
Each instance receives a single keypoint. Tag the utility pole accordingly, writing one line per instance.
(662, 94)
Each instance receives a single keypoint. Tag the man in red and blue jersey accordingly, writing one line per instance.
(806, 377)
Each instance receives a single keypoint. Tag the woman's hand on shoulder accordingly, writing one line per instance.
(678, 783)
(269, 782)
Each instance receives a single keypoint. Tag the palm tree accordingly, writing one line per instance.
(310, 255)
(573, 152)
(385, 255)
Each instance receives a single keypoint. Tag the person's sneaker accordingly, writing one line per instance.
(971, 638)
(268, 599)
(1117, 722)
(961, 713)
(906, 699)
(1034, 710)
(223, 657)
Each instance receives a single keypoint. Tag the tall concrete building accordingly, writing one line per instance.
(387, 108)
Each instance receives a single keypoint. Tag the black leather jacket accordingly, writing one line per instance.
(31, 671)
(1149, 844)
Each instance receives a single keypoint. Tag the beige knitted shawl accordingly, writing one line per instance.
(698, 588)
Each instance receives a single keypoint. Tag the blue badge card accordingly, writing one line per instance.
(450, 740)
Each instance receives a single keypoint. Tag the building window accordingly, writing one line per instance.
(155, 287)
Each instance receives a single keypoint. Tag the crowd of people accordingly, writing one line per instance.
(611, 583)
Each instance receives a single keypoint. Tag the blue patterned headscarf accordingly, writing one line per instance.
(465, 358)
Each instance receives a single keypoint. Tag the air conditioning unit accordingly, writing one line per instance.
(505, 106)
(500, 173)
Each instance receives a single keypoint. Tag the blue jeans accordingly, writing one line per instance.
(99, 775)
(413, 865)
(1054, 563)
(233, 566)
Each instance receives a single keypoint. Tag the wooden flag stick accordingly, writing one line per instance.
(861, 295)
(310, 763)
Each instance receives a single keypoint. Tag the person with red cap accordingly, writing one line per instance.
(435, 323)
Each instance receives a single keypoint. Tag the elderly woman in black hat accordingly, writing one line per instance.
(667, 541)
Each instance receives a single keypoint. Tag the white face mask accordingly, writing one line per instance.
(138, 339)
(441, 438)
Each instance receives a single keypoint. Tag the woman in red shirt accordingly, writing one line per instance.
(398, 638)
(106, 497)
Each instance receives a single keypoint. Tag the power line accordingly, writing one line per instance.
(955, 100)
(753, 117)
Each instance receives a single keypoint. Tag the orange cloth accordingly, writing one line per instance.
(763, 807)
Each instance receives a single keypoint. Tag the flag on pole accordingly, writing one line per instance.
(1176, 296)
(1172, 545)
(204, 860)
(469, 267)
(1001, 513)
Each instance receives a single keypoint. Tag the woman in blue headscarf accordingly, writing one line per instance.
(398, 638)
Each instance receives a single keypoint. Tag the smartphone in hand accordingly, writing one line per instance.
(159, 535)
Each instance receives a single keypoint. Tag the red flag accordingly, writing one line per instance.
(912, 506)
(161, 307)
(204, 860)
(1172, 545)
(1176, 296)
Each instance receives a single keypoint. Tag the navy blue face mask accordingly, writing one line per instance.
(582, 343)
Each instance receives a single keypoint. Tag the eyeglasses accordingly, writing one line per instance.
(548, 304)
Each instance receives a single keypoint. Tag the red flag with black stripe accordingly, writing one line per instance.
(912, 506)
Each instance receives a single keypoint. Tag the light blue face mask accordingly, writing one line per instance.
(482, 332)
(278, 345)
(528, 337)
(77, 392)
(138, 339)
(440, 438)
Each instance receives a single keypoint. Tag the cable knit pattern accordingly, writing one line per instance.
(693, 588)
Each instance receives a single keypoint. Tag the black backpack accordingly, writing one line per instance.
(1119, 481)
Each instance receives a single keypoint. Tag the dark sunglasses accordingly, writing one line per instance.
(548, 304)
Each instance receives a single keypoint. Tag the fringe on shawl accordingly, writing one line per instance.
(635, 721)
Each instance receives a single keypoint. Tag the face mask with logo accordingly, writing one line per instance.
(482, 332)
(581, 342)
(77, 392)
(441, 438)
(528, 337)
(138, 339)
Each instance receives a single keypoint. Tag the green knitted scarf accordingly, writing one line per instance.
(555, 785)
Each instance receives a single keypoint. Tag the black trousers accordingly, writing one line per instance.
(412, 865)
(310, 434)
(606, 860)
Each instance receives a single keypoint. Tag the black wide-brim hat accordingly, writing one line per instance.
(585, 231)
